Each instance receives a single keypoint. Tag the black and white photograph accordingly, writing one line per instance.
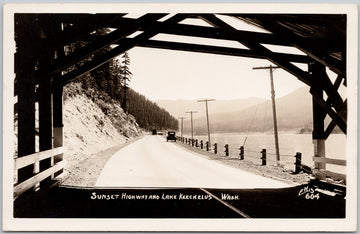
(180, 117)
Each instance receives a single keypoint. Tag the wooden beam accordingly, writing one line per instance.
(305, 45)
(337, 82)
(342, 113)
(286, 65)
(24, 161)
(45, 117)
(125, 29)
(320, 101)
(322, 174)
(217, 50)
(124, 46)
(338, 162)
(82, 26)
(25, 61)
(27, 184)
(215, 33)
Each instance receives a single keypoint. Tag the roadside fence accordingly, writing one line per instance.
(260, 157)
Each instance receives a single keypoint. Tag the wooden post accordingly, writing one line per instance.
(241, 152)
(182, 125)
(207, 146)
(271, 68)
(263, 157)
(45, 121)
(297, 162)
(57, 99)
(317, 71)
(226, 150)
(207, 116)
(25, 61)
(215, 148)
(58, 129)
(192, 129)
(201, 144)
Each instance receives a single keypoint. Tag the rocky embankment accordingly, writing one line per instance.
(91, 137)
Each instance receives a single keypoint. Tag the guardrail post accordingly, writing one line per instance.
(207, 146)
(226, 150)
(201, 144)
(263, 157)
(297, 162)
(215, 148)
(241, 152)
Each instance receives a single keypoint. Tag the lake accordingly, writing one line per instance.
(289, 144)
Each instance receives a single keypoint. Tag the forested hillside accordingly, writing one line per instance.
(148, 114)
(105, 86)
(109, 84)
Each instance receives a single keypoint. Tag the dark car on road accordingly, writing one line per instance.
(171, 136)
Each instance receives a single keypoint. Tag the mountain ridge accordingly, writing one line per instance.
(294, 112)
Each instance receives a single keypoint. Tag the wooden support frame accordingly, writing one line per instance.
(26, 29)
(215, 33)
(330, 161)
(257, 47)
(124, 30)
(38, 177)
(28, 75)
(217, 50)
(269, 23)
(45, 118)
(82, 27)
(124, 46)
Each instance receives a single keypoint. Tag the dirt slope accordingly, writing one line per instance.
(89, 134)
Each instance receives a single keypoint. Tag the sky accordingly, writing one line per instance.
(165, 74)
(168, 74)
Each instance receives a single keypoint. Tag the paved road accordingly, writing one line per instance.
(153, 162)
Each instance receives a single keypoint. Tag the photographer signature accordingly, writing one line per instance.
(309, 193)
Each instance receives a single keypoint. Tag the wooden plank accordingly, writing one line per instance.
(27, 184)
(21, 162)
(217, 50)
(339, 162)
(322, 174)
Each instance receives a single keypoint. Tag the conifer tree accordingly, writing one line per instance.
(126, 76)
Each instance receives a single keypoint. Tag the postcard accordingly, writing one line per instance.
(180, 117)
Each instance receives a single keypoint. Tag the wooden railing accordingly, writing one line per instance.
(322, 173)
(38, 176)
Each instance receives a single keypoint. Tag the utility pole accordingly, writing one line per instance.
(271, 68)
(192, 130)
(207, 116)
(182, 125)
